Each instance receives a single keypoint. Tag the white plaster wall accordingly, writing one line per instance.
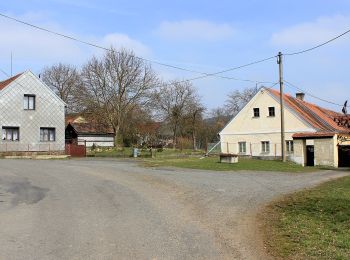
(245, 127)
(104, 141)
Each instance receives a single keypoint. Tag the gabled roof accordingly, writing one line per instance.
(91, 128)
(7, 82)
(323, 120)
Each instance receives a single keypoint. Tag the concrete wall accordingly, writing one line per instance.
(299, 152)
(49, 112)
(326, 152)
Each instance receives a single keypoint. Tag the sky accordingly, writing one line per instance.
(206, 36)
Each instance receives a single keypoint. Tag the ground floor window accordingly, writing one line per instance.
(242, 147)
(10, 133)
(289, 146)
(265, 146)
(47, 134)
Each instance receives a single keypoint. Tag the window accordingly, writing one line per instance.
(256, 112)
(265, 147)
(289, 146)
(10, 133)
(271, 111)
(47, 134)
(29, 102)
(242, 147)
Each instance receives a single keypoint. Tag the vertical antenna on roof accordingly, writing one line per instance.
(11, 63)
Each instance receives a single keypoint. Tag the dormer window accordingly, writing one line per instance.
(256, 112)
(29, 102)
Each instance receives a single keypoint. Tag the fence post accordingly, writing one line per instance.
(85, 147)
(251, 152)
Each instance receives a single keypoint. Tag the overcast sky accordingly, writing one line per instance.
(200, 35)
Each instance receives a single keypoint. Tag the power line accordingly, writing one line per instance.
(216, 74)
(311, 95)
(317, 46)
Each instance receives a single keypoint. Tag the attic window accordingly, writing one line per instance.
(271, 111)
(29, 102)
(256, 112)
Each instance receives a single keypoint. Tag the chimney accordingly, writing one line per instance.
(300, 96)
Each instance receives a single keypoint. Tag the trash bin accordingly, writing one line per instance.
(135, 152)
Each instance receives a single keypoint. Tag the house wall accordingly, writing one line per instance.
(326, 152)
(246, 128)
(299, 152)
(49, 112)
(104, 141)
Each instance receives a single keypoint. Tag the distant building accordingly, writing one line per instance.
(31, 116)
(314, 135)
(82, 129)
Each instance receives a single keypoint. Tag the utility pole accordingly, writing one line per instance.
(280, 63)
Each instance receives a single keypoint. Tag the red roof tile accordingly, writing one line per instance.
(6, 82)
(323, 120)
(313, 135)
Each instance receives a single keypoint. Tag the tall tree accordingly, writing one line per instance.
(173, 102)
(66, 82)
(115, 84)
(236, 100)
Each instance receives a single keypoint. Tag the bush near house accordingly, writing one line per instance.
(312, 224)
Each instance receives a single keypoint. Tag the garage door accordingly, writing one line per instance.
(344, 155)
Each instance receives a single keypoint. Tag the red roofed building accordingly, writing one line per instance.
(314, 135)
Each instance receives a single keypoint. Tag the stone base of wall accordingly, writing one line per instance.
(2, 154)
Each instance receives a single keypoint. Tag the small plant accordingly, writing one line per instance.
(93, 147)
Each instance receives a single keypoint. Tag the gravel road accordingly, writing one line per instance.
(111, 209)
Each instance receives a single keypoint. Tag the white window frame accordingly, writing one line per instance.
(242, 147)
(274, 111)
(29, 102)
(265, 146)
(10, 133)
(289, 146)
(47, 134)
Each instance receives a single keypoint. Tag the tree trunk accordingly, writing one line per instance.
(116, 135)
(194, 140)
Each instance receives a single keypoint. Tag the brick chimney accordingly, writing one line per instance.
(300, 96)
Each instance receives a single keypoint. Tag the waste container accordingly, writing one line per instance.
(135, 152)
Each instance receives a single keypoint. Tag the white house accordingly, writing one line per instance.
(313, 134)
(31, 116)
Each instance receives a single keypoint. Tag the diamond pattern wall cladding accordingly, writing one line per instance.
(49, 112)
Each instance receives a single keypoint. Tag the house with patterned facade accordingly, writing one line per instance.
(31, 116)
(313, 135)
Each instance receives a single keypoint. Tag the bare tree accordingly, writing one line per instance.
(65, 81)
(115, 84)
(238, 99)
(174, 102)
(195, 118)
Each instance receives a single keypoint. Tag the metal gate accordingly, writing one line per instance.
(75, 150)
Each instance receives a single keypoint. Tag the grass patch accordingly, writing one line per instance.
(144, 153)
(312, 224)
(212, 163)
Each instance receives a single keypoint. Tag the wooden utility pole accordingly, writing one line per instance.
(283, 148)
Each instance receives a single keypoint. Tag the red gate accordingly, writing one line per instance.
(75, 150)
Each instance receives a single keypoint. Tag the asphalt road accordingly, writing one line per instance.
(108, 209)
